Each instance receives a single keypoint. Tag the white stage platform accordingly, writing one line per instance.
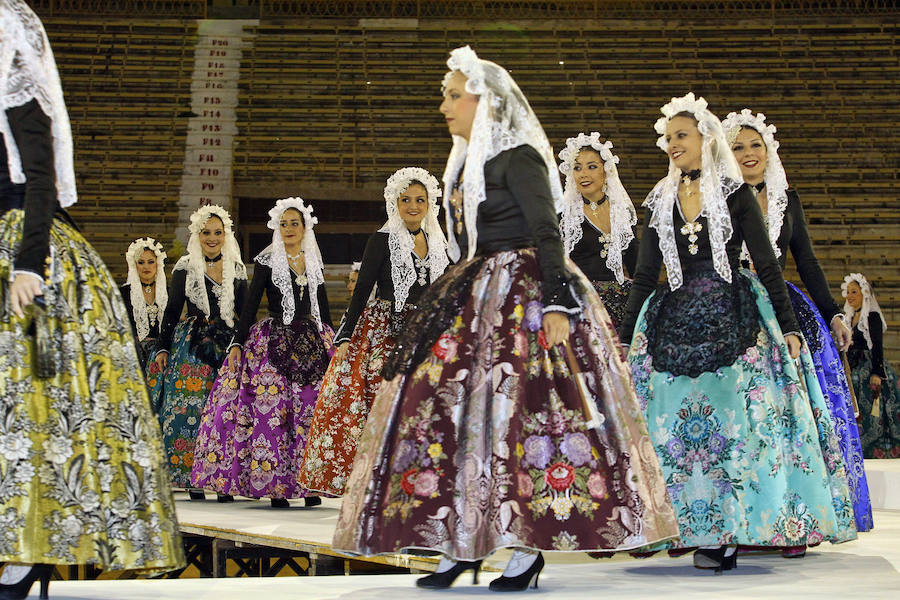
(866, 568)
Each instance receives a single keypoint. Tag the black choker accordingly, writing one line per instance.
(416, 232)
(211, 261)
(598, 202)
(692, 175)
(759, 186)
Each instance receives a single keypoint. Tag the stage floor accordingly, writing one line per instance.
(866, 568)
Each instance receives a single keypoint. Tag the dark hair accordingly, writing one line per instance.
(299, 212)
(592, 149)
(413, 182)
(687, 114)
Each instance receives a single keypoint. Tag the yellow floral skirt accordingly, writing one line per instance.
(82, 479)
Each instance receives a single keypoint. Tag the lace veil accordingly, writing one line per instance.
(138, 304)
(503, 120)
(401, 243)
(28, 71)
(775, 177)
(275, 257)
(869, 305)
(194, 263)
(622, 216)
(720, 176)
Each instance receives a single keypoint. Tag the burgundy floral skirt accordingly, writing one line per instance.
(484, 441)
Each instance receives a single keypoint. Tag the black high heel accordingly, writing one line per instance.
(19, 591)
(311, 501)
(224, 498)
(443, 580)
(279, 503)
(196, 494)
(715, 559)
(519, 583)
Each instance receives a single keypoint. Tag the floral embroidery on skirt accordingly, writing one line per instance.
(83, 479)
(739, 445)
(484, 444)
(254, 427)
(348, 392)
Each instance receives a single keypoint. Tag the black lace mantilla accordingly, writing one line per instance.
(438, 306)
(806, 316)
(298, 352)
(702, 326)
(209, 340)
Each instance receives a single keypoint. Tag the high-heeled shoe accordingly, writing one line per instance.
(19, 590)
(311, 501)
(196, 494)
(279, 503)
(521, 582)
(444, 579)
(714, 558)
(224, 498)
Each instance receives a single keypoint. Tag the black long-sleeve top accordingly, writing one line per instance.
(262, 282)
(125, 290)
(375, 269)
(177, 299)
(518, 212)
(586, 254)
(794, 235)
(748, 226)
(31, 129)
(877, 350)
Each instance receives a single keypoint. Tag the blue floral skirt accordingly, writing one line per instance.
(834, 386)
(738, 443)
(879, 413)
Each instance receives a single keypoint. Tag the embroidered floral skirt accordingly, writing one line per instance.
(181, 391)
(146, 348)
(348, 392)
(255, 425)
(483, 443)
(879, 413)
(614, 296)
(738, 443)
(82, 479)
(832, 380)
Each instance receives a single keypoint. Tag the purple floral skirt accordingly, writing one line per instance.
(483, 442)
(254, 427)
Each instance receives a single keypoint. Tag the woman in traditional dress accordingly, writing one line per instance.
(874, 380)
(730, 421)
(402, 258)
(756, 151)
(254, 428)
(212, 281)
(145, 293)
(80, 451)
(598, 219)
(507, 418)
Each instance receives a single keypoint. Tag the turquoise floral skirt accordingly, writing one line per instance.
(745, 445)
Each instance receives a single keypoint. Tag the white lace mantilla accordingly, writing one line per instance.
(775, 177)
(28, 71)
(869, 305)
(622, 216)
(140, 310)
(194, 264)
(401, 244)
(720, 177)
(275, 257)
(503, 121)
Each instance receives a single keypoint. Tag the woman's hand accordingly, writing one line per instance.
(162, 359)
(793, 344)
(840, 334)
(341, 351)
(234, 357)
(875, 383)
(22, 292)
(556, 328)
